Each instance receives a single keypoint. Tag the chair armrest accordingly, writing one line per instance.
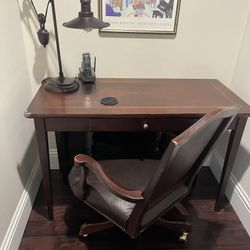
(96, 168)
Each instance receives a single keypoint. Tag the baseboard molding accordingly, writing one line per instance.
(235, 193)
(19, 220)
(53, 156)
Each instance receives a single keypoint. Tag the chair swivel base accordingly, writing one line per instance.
(184, 228)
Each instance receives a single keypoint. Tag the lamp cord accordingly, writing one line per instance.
(46, 11)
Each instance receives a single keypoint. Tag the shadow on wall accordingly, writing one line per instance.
(25, 167)
(242, 161)
(241, 164)
(29, 19)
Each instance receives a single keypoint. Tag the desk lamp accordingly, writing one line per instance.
(85, 21)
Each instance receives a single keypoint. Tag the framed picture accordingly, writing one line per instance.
(140, 16)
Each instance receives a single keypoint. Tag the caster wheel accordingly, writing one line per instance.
(183, 237)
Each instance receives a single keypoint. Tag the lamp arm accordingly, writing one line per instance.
(57, 39)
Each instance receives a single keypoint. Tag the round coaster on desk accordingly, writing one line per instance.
(109, 100)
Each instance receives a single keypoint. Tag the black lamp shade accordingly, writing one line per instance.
(86, 19)
(87, 22)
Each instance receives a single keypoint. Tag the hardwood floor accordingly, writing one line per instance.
(210, 230)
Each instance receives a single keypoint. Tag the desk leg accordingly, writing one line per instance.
(63, 154)
(42, 141)
(233, 146)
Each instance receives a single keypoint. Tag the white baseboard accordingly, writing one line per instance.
(235, 193)
(53, 157)
(21, 215)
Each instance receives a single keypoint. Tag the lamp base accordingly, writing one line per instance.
(60, 84)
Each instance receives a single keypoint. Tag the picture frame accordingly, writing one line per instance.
(140, 16)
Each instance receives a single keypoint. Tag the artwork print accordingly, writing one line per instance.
(140, 16)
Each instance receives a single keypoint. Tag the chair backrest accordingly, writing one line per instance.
(183, 157)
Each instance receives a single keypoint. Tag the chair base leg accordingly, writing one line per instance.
(176, 226)
(137, 243)
(94, 228)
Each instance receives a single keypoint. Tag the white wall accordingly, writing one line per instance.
(17, 145)
(206, 46)
(241, 86)
(238, 189)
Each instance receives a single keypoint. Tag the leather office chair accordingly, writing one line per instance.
(133, 194)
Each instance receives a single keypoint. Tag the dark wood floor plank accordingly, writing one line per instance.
(52, 242)
(210, 230)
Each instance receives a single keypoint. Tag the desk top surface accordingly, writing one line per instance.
(137, 98)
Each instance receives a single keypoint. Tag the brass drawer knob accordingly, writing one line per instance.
(145, 126)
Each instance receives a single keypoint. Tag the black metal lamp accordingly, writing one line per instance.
(85, 21)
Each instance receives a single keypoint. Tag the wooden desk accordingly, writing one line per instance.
(144, 104)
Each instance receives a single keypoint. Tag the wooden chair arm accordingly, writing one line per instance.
(96, 168)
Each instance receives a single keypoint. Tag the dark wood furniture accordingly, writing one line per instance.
(144, 104)
(133, 194)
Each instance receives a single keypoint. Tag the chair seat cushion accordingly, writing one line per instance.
(132, 174)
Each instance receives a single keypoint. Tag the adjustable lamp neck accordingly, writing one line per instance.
(57, 39)
(86, 8)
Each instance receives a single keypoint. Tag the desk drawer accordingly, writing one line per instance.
(134, 124)
(67, 124)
